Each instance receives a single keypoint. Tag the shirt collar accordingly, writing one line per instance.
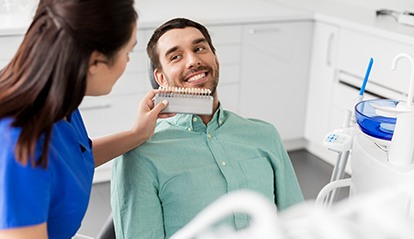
(192, 122)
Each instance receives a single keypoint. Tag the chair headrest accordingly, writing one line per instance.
(151, 76)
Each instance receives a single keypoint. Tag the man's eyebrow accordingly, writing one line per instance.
(199, 40)
(196, 41)
(172, 49)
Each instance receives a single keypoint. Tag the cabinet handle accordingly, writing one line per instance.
(264, 30)
(95, 107)
(329, 50)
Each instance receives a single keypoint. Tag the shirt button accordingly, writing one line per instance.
(209, 136)
(220, 122)
(223, 163)
(189, 129)
(194, 119)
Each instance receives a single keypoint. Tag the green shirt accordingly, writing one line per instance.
(160, 186)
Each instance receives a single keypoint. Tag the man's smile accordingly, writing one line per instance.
(196, 77)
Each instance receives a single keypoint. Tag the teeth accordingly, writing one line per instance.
(171, 91)
(196, 77)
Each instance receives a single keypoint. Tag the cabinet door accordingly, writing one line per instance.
(8, 47)
(227, 41)
(321, 79)
(354, 52)
(275, 75)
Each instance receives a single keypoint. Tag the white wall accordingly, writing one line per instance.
(400, 5)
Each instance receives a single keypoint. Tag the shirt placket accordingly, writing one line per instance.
(227, 169)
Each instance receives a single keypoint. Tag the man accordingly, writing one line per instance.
(192, 160)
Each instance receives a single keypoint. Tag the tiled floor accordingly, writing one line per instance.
(312, 174)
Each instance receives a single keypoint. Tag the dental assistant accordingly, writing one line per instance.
(72, 48)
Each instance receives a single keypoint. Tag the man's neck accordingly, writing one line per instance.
(207, 118)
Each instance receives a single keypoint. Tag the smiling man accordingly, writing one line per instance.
(194, 159)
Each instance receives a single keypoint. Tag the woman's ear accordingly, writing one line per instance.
(160, 77)
(96, 60)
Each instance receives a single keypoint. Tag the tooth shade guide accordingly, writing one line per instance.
(171, 91)
(186, 100)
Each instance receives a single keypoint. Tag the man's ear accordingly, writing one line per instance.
(160, 77)
(96, 60)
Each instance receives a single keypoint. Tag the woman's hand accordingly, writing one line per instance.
(148, 115)
(112, 146)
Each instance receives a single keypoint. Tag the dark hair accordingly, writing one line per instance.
(46, 79)
(170, 25)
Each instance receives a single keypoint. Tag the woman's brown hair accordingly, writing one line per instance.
(46, 79)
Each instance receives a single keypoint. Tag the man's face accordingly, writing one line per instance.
(186, 60)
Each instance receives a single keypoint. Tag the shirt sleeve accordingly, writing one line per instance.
(287, 188)
(137, 210)
(24, 190)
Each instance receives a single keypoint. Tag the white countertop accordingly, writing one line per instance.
(216, 11)
(354, 17)
(154, 12)
(14, 23)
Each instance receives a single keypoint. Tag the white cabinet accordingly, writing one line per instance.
(8, 47)
(340, 57)
(321, 81)
(355, 50)
(227, 40)
(275, 75)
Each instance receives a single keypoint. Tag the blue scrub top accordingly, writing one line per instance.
(59, 194)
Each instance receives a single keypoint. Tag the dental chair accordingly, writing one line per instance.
(151, 76)
(108, 230)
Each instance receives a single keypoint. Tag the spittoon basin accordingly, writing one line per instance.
(371, 122)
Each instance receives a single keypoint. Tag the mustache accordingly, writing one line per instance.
(200, 68)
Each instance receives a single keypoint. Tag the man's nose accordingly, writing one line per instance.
(193, 60)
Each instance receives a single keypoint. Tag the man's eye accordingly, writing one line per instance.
(175, 57)
(200, 48)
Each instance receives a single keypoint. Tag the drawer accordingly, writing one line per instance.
(229, 73)
(229, 96)
(109, 114)
(131, 83)
(8, 47)
(135, 78)
(142, 39)
(138, 62)
(355, 50)
(277, 39)
(221, 35)
(138, 57)
(3, 63)
(228, 54)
